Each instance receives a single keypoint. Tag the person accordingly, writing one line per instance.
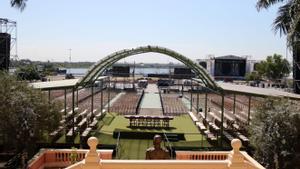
(156, 152)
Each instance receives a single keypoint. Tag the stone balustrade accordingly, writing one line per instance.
(62, 157)
(95, 159)
(201, 155)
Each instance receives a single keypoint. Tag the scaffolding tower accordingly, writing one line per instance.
(296, 67)
(10, 27)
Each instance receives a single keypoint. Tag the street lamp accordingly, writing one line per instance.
(70, 59)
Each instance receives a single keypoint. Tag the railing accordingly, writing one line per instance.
(139, 103)
(234, 159)
(169, 144)
(161, 102)
(194, 155)
(118, 146)
(63, 157)
(156, 164)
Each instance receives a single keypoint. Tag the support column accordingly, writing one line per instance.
(92, 101)
(249, 109)
(77, 98)
(73, 110)
(222, 120)
(101, 103)
(191, 99)
(108, 95)
(205, 113)
(197, 101)
(234, 103)
(65, 104)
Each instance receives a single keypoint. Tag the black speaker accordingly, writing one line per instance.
(4, 51)
(121, 71)
(296, 67)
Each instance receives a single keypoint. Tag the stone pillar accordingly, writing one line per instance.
(236, 159)
(65, 102)
(92, 158)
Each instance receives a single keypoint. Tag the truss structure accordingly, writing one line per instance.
(10, 27)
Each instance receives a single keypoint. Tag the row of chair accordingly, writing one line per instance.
(173, 105)
(127, 104)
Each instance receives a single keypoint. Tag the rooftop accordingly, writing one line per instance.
(229, 87)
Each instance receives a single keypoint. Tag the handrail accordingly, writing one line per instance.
(118, 144)
(139, 103)
(170, 146)
(161, 102)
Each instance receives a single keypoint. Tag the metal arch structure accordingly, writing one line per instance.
(99, 67)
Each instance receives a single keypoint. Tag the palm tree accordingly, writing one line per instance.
(20, 4)
(287, 21)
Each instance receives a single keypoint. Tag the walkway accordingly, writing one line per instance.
(151, 104)
(151, 88)
(151, 100)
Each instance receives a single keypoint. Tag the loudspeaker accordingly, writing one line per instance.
(296, 67)
(4, 51)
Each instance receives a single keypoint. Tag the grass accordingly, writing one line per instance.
(136, 148)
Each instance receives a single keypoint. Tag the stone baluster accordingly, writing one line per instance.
(92, 158)
(236, 159)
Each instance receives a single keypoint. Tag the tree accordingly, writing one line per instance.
(49, 69)
(274, 68)
(288, 18)
(28, 72)
(26, 116)
(253, 76)
(20, 4)
(275, 134)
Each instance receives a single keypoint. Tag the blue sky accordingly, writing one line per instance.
(96, 28)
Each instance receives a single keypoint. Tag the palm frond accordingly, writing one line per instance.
(20, 4)
(283, 20)
(264, 4)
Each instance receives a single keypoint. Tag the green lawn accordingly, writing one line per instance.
(136, 148)
(180, 124)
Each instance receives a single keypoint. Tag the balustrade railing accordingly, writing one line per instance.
(194, 155)
(63, 157)
(102, 159)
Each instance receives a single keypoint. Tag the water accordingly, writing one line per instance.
(77, 71)
(142, 71)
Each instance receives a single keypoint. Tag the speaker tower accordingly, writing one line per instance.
(4, 51)
(296, 67)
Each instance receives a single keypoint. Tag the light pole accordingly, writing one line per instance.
(70, 59)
